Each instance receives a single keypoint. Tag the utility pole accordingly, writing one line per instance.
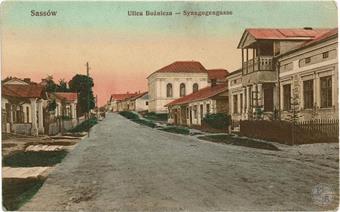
(87, 97)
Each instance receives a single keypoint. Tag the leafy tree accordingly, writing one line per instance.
(62, 87)
(52, 105)
(83, 86)
(217, 120)
(51, 86)
(295, 114)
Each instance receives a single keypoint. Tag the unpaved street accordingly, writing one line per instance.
(126, 166)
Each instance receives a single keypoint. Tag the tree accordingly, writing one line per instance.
(295, 115)
(83, 86)
(50, 86)
(62, 87)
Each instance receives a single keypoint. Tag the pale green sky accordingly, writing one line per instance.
(124, 50)
(113, 16)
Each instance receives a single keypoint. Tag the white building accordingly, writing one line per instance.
(174, 81)
(237, 108)
(23, 104)
(261, 49)
(116, 101)
(139, 102)
(309, 76)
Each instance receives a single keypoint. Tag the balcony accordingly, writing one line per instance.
(261, 63)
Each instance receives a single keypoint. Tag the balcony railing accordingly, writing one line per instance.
(261, 63)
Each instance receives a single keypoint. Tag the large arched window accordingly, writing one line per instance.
(169, 90)
(182, 89)
(195, 87)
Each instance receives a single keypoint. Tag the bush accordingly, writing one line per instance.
(217, 121)
(135, 118)
(84, 126)
(129, 115)
(178, 130)
(145, 122)
(156, 117)
(32, 159)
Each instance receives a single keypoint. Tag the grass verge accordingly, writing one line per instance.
(16, 192)
(84, 126)
(156, 117)
(135, 118)
(31, 159)
(227, 139)
(178, 130)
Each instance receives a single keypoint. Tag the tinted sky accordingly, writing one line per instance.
(123, 50)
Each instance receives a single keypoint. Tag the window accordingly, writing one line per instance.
(187, 112)
(235, 104)
(307, 60)
(182, 89)
(241, 103)
(146, 103)
(308, 99)
(195, 88)
(286, 97)
(169, 90)
(326, 91)
(208, 108)
(268, 98)
(325, 55)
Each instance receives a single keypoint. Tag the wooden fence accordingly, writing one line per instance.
(316, 131)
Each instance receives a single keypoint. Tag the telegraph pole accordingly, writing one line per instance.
(88, 97)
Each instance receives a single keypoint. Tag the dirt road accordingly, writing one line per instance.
(126, 166)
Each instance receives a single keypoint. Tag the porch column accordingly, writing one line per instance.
(73, 111)
(34, 129)
(40, 117)
(259, 95)
(247, 99)
(180, 115)
(239, 109)
(244, 100)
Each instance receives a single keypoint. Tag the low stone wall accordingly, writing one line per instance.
(68, 124)
(22, 128)
(53, 128)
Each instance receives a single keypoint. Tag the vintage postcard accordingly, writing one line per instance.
(169, 106)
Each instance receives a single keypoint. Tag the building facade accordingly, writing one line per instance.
(191, 109)
(309, 79)
(23, 106)
(139, 102)
(260, 92)
(236, 105)
(174, 81)
(116, 101)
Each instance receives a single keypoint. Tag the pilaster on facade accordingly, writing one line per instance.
(34, 128)
(40, 116)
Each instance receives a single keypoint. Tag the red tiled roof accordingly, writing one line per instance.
(183, 67)
(138, 95)
(284, 34)
(219, 74)
(321, 37)
(201, 94)
(23, 91)
(122, 96)
(68, 96)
